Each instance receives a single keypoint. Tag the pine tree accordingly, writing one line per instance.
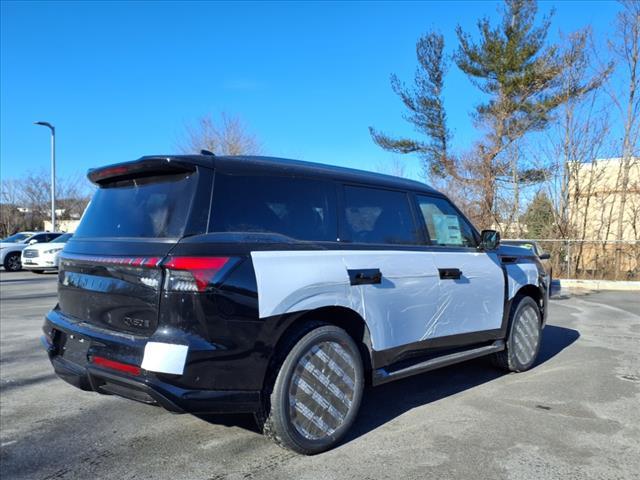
(539, 216)
(425, 104)
(520, 77)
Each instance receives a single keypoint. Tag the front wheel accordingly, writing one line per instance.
(12, 262)
(317, 392)
(525, 335)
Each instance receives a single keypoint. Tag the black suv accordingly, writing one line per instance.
(248, 284)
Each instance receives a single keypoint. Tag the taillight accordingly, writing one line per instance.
(100, 174)
(140, 269)
(195, 274)
(113, 365)
(146, 262)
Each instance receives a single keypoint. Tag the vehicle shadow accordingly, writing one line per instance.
(386, 402)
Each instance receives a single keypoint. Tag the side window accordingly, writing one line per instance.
(445, 225)
(299, 208)
(378, 216)
(41, 238)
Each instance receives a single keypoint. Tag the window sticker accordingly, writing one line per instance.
(447, 229)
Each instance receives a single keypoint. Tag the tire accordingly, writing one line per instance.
(317, 391)
(12, 262)
(525, 335)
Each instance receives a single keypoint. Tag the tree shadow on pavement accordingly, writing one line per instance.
(386, 402)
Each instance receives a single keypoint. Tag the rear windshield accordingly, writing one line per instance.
(62, 238)
(148, 207)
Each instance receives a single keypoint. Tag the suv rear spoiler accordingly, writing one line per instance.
(144, 167)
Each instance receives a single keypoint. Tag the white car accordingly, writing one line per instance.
(12, 246)
(44, 256)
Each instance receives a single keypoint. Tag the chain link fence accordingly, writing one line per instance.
(592, 259)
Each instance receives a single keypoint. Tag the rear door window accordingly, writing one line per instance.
(299, 208)
(40, 238)
(446, 227)
(378, 216)
(145, 207)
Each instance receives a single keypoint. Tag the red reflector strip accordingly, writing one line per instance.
(113, 365)
(203, 269)
(148, 262)
(110, 172)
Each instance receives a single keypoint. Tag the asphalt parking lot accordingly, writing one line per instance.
(576, 415)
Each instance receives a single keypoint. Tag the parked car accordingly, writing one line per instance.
(280, 288)
(533, 246)
(41, 257)
(12, 246)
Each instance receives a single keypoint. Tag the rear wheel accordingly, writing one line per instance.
(317, 392)
(12, 262)
(525, 333)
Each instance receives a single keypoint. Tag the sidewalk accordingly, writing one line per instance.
(621, 285)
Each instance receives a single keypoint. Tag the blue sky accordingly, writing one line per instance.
(121, 79)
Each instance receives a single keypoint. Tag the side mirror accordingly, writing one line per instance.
(545, 256)
(31, 242)
(489, 239)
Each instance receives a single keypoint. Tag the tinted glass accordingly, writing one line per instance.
(378, 216)
(445, 225)
(40, 238)
(295, 207)
(149, 207)
(62, 238)
(528, 246)
(16, 238)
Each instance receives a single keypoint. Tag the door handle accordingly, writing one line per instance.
(450, 273)
(365, 276)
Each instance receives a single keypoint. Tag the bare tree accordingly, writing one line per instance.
(625, 48)
(572, 176)
(578, 136)
(74, 193)
(10, 216)
(24, 202)
(226, 136)
(395, 168)
(633, 218)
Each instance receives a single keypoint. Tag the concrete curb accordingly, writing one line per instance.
(598, 284)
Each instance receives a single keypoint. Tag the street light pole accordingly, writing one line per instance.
(53, 172)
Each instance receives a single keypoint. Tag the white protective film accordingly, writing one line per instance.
(411, 303)
(521, 274)
(473, 303)
(164, 357)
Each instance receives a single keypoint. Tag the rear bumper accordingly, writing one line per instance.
(147, 388)
(42, 262)
(38, 267)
